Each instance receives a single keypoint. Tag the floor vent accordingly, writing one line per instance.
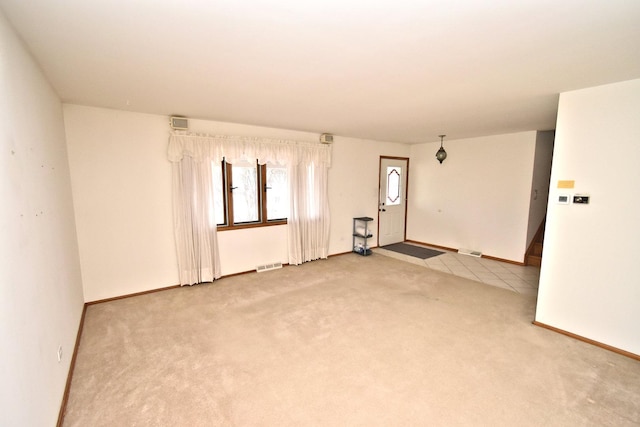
(267, 267)
(469, 252)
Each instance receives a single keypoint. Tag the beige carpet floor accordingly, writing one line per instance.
(349, 341)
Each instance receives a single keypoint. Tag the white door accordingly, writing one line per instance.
(392, 208)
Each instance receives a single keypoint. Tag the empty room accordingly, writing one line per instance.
(325, 213)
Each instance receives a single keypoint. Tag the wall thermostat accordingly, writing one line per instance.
(563, 199)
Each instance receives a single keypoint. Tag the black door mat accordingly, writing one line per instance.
(411, 250)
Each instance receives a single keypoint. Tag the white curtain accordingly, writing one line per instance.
(266, 150)
(194, 222)
(308, 222)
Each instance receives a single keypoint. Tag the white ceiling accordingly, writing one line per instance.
(401, 71)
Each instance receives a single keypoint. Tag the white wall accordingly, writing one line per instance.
(478, 198)
(540, 182)
(589, 278)
(41, 292)
(354, 182)
(122, 192)
(121, 185)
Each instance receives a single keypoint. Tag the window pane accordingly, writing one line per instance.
(218, 194)
(393, 185)
(245, 192)
(277, 192)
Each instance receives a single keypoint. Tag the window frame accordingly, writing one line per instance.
(261, 189)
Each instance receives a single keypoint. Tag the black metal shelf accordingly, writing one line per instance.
(359, 240)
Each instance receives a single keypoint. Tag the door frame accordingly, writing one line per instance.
(406, 199)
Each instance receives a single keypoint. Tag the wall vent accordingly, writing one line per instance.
(470, 252)
(179, 123)
(326, 138)
(268, 267)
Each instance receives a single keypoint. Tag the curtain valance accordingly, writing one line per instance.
(202, 147)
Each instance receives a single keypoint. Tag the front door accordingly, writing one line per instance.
(392, 209)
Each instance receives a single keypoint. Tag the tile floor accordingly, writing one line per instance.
(516, 278)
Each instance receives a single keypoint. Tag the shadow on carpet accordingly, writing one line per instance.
(411, 250)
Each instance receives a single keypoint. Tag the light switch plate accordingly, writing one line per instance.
(581, 199)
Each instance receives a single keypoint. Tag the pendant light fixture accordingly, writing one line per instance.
(441, 154)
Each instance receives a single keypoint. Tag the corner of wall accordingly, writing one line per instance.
(42, 300)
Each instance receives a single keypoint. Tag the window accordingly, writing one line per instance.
(244, 196)
(277, 190)
(394, 173)
(250, 195)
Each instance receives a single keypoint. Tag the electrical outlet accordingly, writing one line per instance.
(59, 353)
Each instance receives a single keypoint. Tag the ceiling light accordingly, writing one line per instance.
(441, 154)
